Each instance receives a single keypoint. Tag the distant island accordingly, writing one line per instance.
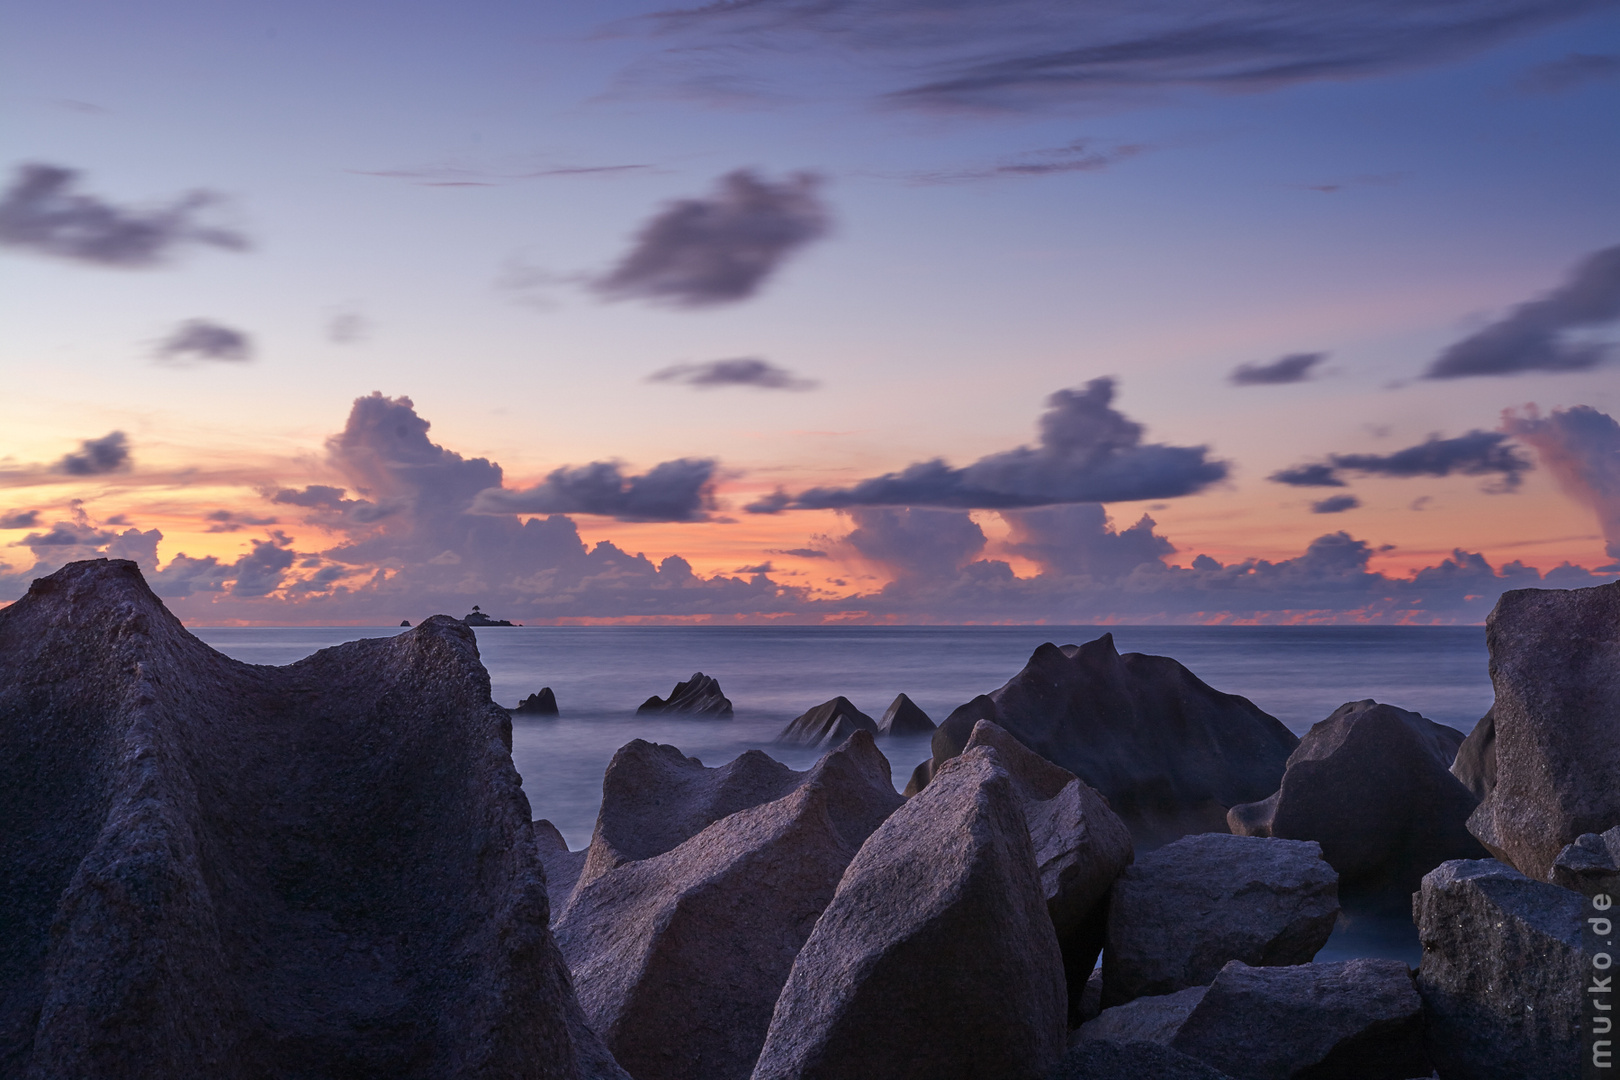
(478, 618)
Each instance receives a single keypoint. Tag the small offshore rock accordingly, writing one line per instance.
(1178, 915)
(904, 717)
(698, 696)
(828, 724)
(542, 704)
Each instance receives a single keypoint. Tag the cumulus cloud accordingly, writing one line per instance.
(1080, 541)
(42, 211)
(1581, 448)
(744, 371)
(1335, 504)
(200, 339)
(96, 457)
(915, 543)
(1535, 336)
(19, 519)
(1570, 71)
(1293, 368)
(1087, 452)
(1478, 453)
(680, 490)
(720, 249)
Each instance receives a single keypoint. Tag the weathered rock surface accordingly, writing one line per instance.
(654, 797)
(1555, 666)
(1373, 785)
(542, 704)
(1154, 1019)
(936, 958)
(1105, 1059)
(1180, 913)
(698, 696)
(1081, 846)
(678, 959)
(1358, 1020)
(828, 724)
(1591, 864)
(1502, 972)
(1475, 765)
(904, 717)
(1171, 754)
(216, 869)
(562, 866)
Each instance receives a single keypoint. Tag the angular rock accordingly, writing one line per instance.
(1171, 754)
(1475, 765)
(1373, 785)
(1090, 1003)
(654, 797)
(1502, 972)
(903, 717)
(224, 870)
(678, 959)
(542, 704)
(562, 866)
(1357, 1020)
(936, 958)
(698, 696)
(1591, 864)
(1081, 846)
(1154, 1019)
(1105, 1059)
(1554, 655)
(828, 724)
(1180, 913)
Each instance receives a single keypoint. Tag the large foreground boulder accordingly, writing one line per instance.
(216, 869)
(904, 717)
(1182, 912)
(1104, 1059)
(936, 959)
(1170, 753)
(828, 724)
(1502, 973)
(678, 959)
(1554, 658)
(698, 696)
(1373, 785)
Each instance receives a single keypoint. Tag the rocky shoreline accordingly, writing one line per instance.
(328, 869)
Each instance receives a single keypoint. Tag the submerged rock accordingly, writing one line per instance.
(224, 870)
(828, 724)
(542, 704)
(698, 696)
(1554, 654)
(1171, 754)
(903, 717)
(678, 959)
(1180, 913)
(1373, 785)
(936, 959)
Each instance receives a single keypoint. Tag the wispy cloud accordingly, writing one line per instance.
(680, 490)
(1293, 368)
(1081, 155)
(203, 339)
(1568, 72)
(1581, 448)
(456, 176)
(1478, 453)
(744, 371)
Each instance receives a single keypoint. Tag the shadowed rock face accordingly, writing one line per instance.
(698, 696)
(562, 866)
(1591, 864)
(828, 724)
(1106, 1059)
(904, 717)
(542, 704)
(1475, 765)
(1555, 666)
(221, 870)
(1170, 754)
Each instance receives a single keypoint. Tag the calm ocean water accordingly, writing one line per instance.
(772, 674)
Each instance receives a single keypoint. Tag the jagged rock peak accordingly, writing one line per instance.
(904, 717)
(542, 704)
(698, 696)
(828, 724)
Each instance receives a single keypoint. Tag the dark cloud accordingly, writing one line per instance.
(1335, 504)
(1478, 453)
(680, 490)
(19, 519)
(1081, 155)
(1581, 448)
(96, 457)
(774, 503)
(720, 249)
(67, 534)
(263, 570)
(1532, 337)
(762, 568)
(1088, 452)
(1029, 53)
(315, 495)
(1575, 69)
(200, 339)
(225, 521)
(915, 543)
(802, 553)
(744, 371)
(42, 212)
(1293, 368)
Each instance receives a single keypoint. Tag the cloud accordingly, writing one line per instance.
(42, 212)
(680, 490)
(1080, 541)
(1532, 337)
(1581, 448)
(1081, 155)
(19, 519)
(200, 339)
(347, 328)
(452, 176)
(262, 570)
(66, 534)
(225, 521)
(1023, 54)
(1293, 368)
(745, 371)
(802, 553)
(720, 249)
(1088, 452)
(96, 457)
(1478, 453)
(1335, 504)
(915, 543)
(1575, 69)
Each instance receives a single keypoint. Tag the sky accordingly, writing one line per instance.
(813, 310)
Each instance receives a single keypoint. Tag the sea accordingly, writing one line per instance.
(600, 674)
